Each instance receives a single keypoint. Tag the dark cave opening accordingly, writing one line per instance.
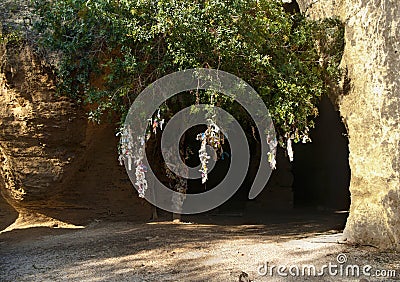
(321, 169)
(315, 183)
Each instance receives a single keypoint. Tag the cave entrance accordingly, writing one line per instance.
(315, 187)
(321, 169)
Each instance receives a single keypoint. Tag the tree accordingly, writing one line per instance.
(108, 51)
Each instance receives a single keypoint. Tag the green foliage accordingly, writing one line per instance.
(111, 49)
(13, 38)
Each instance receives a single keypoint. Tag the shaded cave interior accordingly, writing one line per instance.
(317, 181)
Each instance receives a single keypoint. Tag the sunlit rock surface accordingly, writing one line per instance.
(369, 104)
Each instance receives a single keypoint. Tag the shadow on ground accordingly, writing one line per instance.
(208, 248)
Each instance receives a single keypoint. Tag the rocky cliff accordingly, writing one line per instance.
(40, 133)
(369, 104)
(51, 158)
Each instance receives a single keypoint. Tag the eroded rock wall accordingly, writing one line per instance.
(40, 134)
(53, 161)
(369, 104)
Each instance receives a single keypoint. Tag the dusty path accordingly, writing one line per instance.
(163, 251)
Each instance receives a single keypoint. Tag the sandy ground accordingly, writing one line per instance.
(203, 248)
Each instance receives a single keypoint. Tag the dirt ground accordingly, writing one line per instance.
(211, 247)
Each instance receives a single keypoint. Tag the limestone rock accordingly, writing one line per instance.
(53, 162)
(369, 105)
(40, 134)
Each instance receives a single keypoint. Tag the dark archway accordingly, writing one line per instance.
(319, 177)
(308, 192)
(321, 169)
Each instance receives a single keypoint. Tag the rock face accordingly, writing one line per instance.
(40, 134)
(369, 105)
(51, 158)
